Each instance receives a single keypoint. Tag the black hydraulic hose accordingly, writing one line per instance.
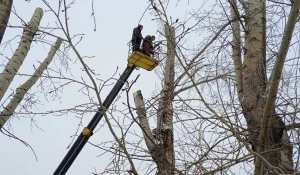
(83, 138)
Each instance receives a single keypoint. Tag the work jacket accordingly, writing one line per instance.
(147, 45)
(137, 36)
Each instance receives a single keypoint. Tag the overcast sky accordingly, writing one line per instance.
(115, 21)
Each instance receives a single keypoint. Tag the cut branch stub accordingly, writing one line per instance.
(142, 116)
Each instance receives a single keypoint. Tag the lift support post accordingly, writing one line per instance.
(137, 59)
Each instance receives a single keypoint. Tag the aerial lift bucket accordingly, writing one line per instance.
(141, 60)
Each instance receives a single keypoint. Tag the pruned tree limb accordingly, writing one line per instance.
(15, 62)
(142, 116)
(23, 89)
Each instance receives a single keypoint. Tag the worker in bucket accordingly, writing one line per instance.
(147, 46)
(137, 38)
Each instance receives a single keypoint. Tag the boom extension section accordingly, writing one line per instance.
(136, 59)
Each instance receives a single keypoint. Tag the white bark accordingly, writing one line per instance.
(274, 83)
(165, 108)
(236, 48)
(254, 69)
(277, 70)
(142, 116)
(255, 47)
(12, 67)
(23, 89)
(165, 102)
(5, 9)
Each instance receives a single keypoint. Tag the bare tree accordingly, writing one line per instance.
(22, 90)
(267, 131)
(33, 32)
(12, 67)
(216, 109)
(160, 141)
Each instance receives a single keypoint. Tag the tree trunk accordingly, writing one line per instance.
(254, 75)
(254, 90)
(272, 134)
(12, 67)
(151, 138)
(5, 9)
(236, 48)
(23, 89)
(160, 140)
(165, 108)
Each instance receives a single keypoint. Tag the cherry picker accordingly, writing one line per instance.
(135, 60)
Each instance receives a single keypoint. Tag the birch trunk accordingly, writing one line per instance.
(282, 158)
(160, 140)
(165, 108)
(23, 89)
(254, 67)
(236, 48)
(254, 95)
(12, 67)
(5, 9)
(254, 79)
(154, 147)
